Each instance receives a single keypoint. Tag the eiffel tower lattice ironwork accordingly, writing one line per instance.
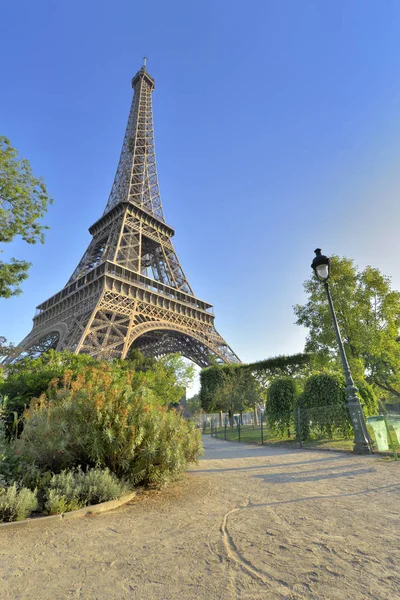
(129, 289)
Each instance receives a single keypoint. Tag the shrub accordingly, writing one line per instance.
(57, 503)
(106, 417)
(8, 462)
(70, 490)
(323, 406)
(30, 377)
(169, 444)
(16, 504)
(281, 396)
(369, 399)
(264, 371)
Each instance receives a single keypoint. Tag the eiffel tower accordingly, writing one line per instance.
(129, 289)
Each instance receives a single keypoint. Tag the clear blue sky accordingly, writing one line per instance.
(277, 130)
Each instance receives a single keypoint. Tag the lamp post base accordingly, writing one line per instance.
(361, 448)
(362, 440)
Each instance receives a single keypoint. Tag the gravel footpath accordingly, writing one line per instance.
(247, 522)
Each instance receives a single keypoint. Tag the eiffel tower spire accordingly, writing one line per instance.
(129, 289)
(136, 177)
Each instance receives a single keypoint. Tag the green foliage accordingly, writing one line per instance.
(169, 444)
(28, 378)
(211, 379)
(193, 405)
(323, 405)
(70, 490)
(8, 462)
(31, 377)
(110, 419)
(280, 403)
(16, 504)
(368, 313)
(368, 397)
(251, 389)
(222, 388)
(219, 382)
(280, 366)
(137, 361)
(324, 390)
(58, 503)
(107, 417)
(169, 378)
(6, 349)
(23, 202)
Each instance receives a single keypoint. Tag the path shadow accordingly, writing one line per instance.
(394, 487)
(329, 459)
(314, 475)
(221, 449)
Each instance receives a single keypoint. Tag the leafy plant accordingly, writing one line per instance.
(107, 417)
(169, 378)
(23, 202)
(8, 462)
(323, 405)
(369, 399)
(16, 504)
(31, 377)
(281, 396)
(70, 490)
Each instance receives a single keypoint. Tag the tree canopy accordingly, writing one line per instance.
(23, 203)
(235, 387)
(368, 313)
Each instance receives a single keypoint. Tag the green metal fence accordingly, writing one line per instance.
(321, 427)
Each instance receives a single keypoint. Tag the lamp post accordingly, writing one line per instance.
(362, 442)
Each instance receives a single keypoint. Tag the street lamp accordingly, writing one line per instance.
(362, 442)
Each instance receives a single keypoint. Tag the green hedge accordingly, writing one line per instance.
(323, 406)
(281, 397)
(213, 378)
(369, 399)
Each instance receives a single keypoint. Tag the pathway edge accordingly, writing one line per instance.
(86, 511)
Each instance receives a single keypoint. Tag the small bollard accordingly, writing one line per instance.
(299, 427)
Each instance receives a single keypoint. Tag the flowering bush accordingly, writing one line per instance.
(107, 418)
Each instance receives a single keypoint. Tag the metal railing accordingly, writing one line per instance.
(326, 427)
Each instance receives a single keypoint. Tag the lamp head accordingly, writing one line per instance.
(321, 265)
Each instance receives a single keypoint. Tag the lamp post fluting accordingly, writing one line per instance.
(362, 441)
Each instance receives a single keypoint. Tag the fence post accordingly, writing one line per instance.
(262, 430)
(299, 426)
(390, 439)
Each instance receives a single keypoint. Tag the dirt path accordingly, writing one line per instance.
(247, 523)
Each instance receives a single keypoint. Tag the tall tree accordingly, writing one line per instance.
(23, 202)
(368, 313)
(169, 377)
(193, 404)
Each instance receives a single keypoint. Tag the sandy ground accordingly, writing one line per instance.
(246, 523)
